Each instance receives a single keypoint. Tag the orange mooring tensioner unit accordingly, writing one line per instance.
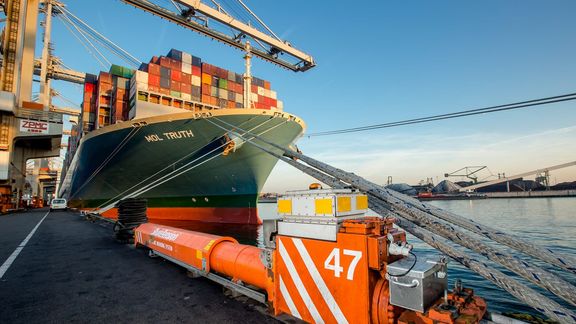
(324, 261)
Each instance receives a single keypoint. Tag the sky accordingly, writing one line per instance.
(385, 61)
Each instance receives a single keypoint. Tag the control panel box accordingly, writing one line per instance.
(419, 287)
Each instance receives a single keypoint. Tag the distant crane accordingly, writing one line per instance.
(541, 173)
(468, 172)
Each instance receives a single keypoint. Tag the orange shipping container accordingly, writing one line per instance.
(206, 98)
(231, 104)
(266, 85)
(214, 101)
(206, 89)
(176, 75)
(153, 69)
(206, 78)
(153, 80)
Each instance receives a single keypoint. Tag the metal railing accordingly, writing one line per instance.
(41, 115)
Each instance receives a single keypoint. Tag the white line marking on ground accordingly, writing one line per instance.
(6, 265)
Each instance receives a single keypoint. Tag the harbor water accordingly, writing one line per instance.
(548, 222)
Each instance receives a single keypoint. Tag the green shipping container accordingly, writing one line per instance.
(116, 70)
(175, 93)
(223, 84)
(127, 72)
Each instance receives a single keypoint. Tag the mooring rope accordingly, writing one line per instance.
(177, 172)
(114, 199)
(532, 298)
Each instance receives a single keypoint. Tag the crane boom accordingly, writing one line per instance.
(517, 176)
(273, 45)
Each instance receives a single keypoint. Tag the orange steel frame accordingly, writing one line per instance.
(314, 280)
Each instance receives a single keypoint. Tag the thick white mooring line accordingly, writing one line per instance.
(6, 265)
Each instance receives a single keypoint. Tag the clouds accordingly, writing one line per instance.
(412, 157)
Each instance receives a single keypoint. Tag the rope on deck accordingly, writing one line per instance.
(422, 221)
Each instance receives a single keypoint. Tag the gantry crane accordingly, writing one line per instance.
(197, 16)
(469, 172)
(543, 172)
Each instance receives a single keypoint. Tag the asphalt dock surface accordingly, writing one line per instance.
(72, 270)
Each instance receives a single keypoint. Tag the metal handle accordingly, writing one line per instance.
(414, 284)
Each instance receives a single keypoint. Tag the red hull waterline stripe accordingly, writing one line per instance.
(224, 215)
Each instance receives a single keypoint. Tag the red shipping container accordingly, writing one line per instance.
(88, 87)
(273, 102)
(254, 88)
(154, 80)
(206, 98)
(206, 89)
(231, 104)
(153, 69)
(153, 88)
(175, 86)
(266, 85)
(154, 60)
(186, 88)
(196, 71)
(176, 75)
(175, 65)
(222, 73)
(120, 93)
(206, 68)
(164, 61)
(186, 78)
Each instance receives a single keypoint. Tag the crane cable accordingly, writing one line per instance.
(94, 34)
(464, 113)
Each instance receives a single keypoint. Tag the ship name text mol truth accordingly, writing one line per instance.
(169, 136)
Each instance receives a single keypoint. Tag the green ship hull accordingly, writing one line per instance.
(186, 166)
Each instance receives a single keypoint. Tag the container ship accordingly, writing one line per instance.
(165, 132)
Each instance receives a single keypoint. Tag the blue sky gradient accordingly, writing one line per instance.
(384, 61)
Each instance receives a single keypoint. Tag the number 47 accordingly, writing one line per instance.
(337, 268)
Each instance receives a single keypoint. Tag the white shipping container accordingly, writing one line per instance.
(187, 68)
(239, 98)
(261, 91)
(273, 94)
(280, 105)
(253, 97)
(196, 81)
(186, 58)
(223, 94)
(140, 76)
(186, 96)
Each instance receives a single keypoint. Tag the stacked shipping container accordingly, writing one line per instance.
(177, 79)
(221, 88)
